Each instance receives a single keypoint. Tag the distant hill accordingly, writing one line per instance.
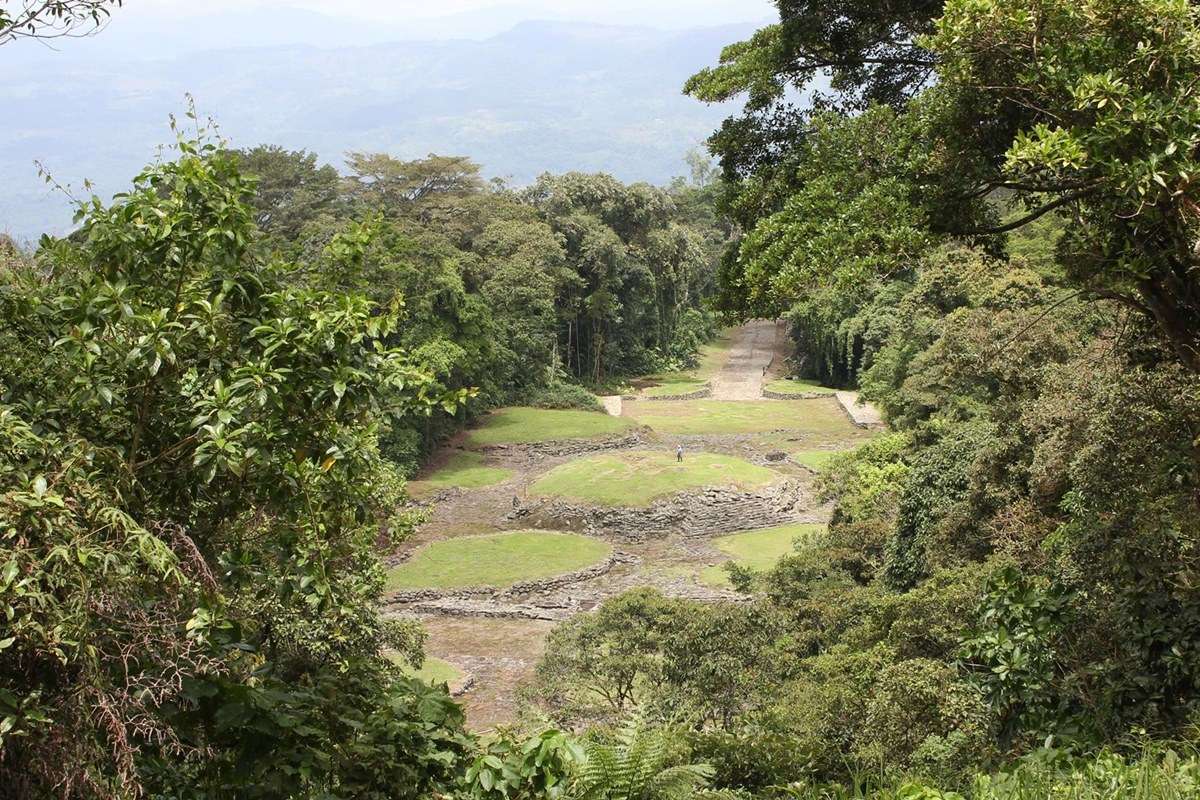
(543, 96)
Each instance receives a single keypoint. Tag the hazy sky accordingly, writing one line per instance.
(683, 13)
(149, 29)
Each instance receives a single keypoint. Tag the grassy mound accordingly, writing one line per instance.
(434, 670)
(637, 478)
(789, 386)
(674, 387)
(463, 470)
(692, 417)
(526, 425)
(759, 550)
(499, 559)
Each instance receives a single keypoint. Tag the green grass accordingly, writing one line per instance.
(815, 417)
(788, 386)
(713, 356)
(499, 559)
(464, 470)
(816, 459)
(758, 550)
(674, 387)
(434, 670)
(637, 478)
(527, 425)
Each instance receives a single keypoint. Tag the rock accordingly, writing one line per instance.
(568, 447)
(708, 512)
(777, 456)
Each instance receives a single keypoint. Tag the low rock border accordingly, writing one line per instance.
(699, 394)
(772, 395)
(861, 415)
(451, 607)
(706, 513)
(405, 597)
(569, 447)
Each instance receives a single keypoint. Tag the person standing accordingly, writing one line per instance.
(679, 454)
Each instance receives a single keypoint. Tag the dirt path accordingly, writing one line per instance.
(756, 347)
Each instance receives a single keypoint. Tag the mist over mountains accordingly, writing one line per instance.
(540, 96)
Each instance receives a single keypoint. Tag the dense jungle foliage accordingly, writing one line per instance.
(990, 224)
(209, 397)
(518, 295)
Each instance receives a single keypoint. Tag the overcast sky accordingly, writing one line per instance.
(677, 13)
(164, 28)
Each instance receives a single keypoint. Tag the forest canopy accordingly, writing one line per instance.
(987, 225)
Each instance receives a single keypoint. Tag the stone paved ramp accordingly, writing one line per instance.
(755, 345)
(864, 415)
(612, 404)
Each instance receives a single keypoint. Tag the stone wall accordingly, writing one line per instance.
(569, 447)
(709, 512)
(770, 395)
(864, 415)
(699, 394)
(492, 595)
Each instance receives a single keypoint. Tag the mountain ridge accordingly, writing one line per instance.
(541, 96)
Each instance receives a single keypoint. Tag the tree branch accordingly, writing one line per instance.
(1028, 218)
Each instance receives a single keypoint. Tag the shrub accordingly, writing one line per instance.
(921, 715)
(559, 394)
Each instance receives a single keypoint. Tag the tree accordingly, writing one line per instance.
(191, 493)
(52, 19)
(1088, 108)
(291, 190)
(597, 664)
(412, 187)
(871, 51)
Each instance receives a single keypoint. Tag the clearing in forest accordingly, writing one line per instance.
(736, 439)
(637, 478)
(498, 560)
(711, 359)
(528, 425)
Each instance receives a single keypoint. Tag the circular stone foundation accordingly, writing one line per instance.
(638, 478)
(496, 560)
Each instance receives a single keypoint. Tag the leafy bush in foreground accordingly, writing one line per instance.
(191, 494)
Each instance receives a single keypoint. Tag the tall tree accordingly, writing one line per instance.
(191, 493)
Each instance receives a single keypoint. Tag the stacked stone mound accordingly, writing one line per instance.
(772, 395)
(488, 609)
(569, 447)
(488, 601)
(708, 512)
(699, 394)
